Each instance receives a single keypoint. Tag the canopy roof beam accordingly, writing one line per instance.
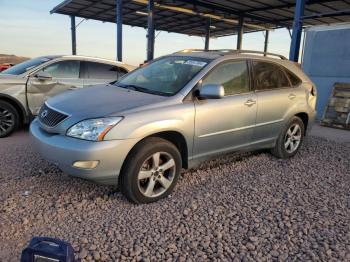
(202, 14)
(227, 10)
(119, 22)
(150, 30)
(74, 36)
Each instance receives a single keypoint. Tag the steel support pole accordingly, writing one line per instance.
(207, 35)
(240, 32)
(266, 44)
(119, 22)
(74, 37)
(150, 30)
(297, 30)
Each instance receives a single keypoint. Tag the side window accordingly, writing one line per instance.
(64, 69)
(122, 71)
(293, 78)
(233, 76)
(102, 71)
(269, 76)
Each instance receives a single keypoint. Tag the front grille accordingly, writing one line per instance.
(50, 117)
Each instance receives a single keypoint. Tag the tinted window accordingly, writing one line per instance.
(122, 71)
(165, 76)
(269, 76)
(102, 71)
(64, 69)
(233, 76)
(25, 66)
(293, 78)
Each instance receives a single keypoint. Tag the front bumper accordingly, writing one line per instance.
(63, 151)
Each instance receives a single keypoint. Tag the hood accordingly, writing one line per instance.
(101, 100)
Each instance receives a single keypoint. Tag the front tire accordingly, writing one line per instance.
(290, 139)
(9, 119)
(150, 171)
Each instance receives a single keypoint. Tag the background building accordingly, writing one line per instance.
(326, 59)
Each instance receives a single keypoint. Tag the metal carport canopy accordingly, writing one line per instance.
(191, 17)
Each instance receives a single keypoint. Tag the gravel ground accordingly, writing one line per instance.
(246, 208)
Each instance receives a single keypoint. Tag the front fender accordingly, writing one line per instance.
(178, 118)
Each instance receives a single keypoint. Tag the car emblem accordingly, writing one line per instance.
(44, 113)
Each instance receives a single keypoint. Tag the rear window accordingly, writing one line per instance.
(269, 76)
(122, 71)
(295, 81)
(103, 71)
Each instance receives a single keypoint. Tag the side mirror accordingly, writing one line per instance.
(42, 75)
(212, 91)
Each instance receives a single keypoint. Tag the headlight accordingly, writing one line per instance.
(93, 129)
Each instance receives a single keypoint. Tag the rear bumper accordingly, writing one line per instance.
(312, 118)
(63, 151)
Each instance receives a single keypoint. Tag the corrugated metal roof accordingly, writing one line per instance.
(173, 15)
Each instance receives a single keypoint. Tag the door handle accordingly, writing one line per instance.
(292, 96)
(250, 102)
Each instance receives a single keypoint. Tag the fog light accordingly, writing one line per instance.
(86, 164)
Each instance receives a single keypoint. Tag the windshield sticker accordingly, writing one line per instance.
(195, 63)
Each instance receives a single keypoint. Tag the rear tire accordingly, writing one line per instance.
(9, 119)
(290, 139)
(151, 171)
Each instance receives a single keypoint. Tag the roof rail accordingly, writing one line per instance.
(259, 52)
(203, 50)
(233, 51)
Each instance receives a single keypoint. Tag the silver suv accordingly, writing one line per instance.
(174, 113)
(26, 86)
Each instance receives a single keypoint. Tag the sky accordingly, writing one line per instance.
(28, 29)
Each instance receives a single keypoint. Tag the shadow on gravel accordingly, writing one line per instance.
(246, 207)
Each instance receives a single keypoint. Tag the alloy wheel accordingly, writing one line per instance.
(292, 138)
(7, 120)
(156, 174)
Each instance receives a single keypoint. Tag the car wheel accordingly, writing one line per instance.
(290, 139)
(9, 119)
(151, 171)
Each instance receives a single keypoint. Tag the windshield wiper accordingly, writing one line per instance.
(143, 90)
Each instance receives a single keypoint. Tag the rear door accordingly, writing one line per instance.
(64, 76)
(275, 96)
(226, 124)
(99, 73)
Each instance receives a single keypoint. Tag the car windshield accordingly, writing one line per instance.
(25, 66)
(165, 76)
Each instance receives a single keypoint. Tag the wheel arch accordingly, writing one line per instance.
(178, 140)
(24, 118)
(305, 118)
(174, 137)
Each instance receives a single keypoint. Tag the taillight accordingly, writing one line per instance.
(313, 91)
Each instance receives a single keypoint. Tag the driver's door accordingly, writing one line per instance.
(59, 77)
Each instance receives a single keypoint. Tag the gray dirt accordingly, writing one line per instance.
(254, 207)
